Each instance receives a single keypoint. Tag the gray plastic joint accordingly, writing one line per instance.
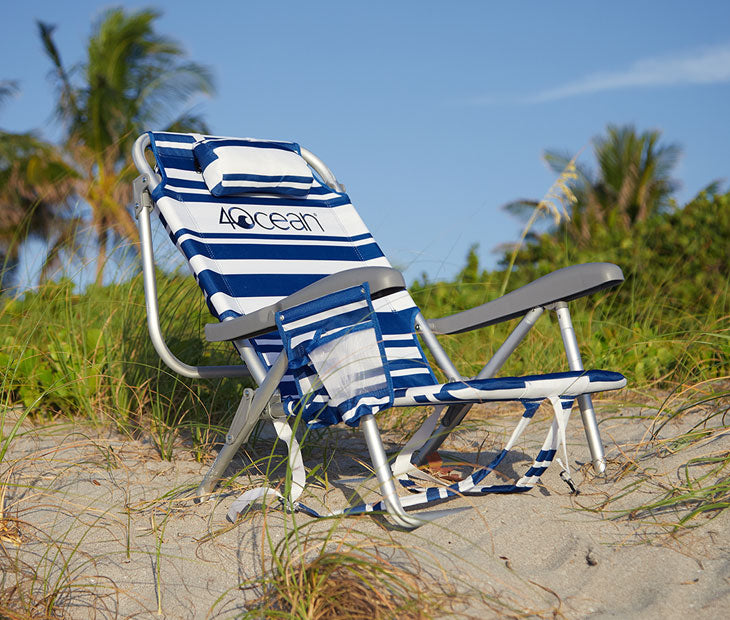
(274, 409)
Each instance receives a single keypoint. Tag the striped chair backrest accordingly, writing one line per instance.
(249, 250)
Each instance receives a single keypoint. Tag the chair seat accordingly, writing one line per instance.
(530, 387)
(568, 384)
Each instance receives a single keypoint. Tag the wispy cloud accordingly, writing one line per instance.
(704, 66)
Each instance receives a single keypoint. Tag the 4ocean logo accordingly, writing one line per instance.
(238, 217)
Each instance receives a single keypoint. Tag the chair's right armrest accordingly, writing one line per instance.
(381, 280)
(562, 285)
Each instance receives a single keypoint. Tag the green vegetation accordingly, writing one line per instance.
(132, 79)
(666, 325)
(89, 356)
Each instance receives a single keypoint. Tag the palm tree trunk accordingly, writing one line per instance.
(103, 235)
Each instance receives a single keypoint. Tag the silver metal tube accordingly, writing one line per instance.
(150, 284)
(327, 175)
(585, 403)
(140, 160)
(510, 344)
(455, 414)
(251, 359)
(443, 360)
(153, 317)
(384, 474)
(261, 398)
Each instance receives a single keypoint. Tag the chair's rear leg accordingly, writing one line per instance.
(248, 413)
(241, 428)
(588, 415)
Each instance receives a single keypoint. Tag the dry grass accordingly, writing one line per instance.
(53, 580)
(353, 585)
(697, 481)
(341, 573)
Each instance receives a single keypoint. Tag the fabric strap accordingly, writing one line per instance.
(423, 497)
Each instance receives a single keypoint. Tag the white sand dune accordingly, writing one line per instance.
(111, 529)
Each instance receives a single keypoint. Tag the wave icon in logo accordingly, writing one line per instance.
(245, 221)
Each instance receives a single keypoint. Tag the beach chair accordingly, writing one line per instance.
(325, 326)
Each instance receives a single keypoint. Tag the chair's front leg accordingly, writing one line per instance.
(588, 415)
(384, 474)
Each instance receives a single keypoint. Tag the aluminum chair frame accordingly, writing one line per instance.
(262, 402)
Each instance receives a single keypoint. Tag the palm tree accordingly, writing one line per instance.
(34, 187)
(131, 80)
(633, 182)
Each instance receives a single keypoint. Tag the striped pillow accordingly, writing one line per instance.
(232, 166)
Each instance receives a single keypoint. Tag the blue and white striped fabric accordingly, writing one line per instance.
(250, 251)
(336, 356)
(566, 384)
(231, 167)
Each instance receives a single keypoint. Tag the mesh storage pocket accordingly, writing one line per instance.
(336, 355)
(349, 363)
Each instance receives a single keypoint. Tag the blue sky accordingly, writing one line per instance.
(433, 114)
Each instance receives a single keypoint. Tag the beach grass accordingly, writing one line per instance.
(338, 573)
(686, 428)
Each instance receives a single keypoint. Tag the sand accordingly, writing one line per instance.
(101, 523)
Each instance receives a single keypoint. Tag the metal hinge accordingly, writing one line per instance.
(239, 420)
(142, 196)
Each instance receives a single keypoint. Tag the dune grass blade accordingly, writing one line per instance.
(702, 486)
(315, 576)
(557, 202)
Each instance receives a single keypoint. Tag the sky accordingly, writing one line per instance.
(432, 114)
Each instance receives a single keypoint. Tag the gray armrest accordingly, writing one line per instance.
(382, 281)
(561, 285)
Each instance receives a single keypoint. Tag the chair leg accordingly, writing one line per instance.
(216, 471)
(385, 475)
(248, 413)
(588, 415)
(241, 428)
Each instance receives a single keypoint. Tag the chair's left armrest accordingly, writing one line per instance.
(562, 285)
(382, 281)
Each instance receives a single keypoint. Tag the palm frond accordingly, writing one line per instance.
(8, 88)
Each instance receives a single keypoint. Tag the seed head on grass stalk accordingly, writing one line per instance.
(556, 202)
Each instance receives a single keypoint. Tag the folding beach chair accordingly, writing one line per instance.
(326, 327)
